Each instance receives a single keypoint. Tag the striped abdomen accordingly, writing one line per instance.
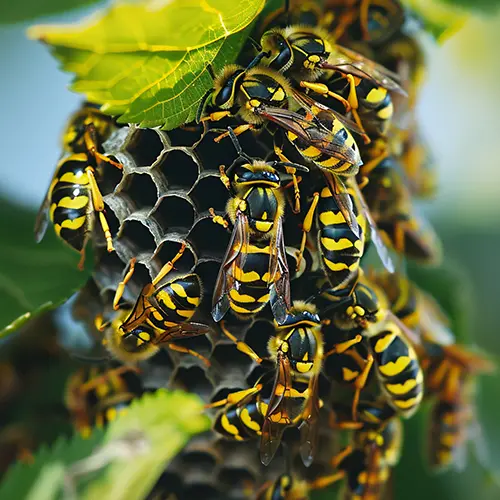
(398, 369)
(339, 134)
(375, 110)
(448, 432)
(341, 249)
(176, 301)
(241, 422)
(251, 294)
(70, 204)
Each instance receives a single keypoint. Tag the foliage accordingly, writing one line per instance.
(148, 62)
(121, 463)
(24, 10)
(33, 278)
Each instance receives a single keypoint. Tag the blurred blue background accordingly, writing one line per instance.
(460, 113)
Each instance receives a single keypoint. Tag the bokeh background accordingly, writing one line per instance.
(460, 113)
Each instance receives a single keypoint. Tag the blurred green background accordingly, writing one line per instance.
(460, 114)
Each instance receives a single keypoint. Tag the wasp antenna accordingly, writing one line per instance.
(257, 60)
(237, 145)
(287, 10)
(202, 105)
(255, 44)
(211, 71)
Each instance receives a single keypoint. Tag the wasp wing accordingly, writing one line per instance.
(311, 132)
(349, 61)
(309, 426)
(382, 250)
(280, 289)
(278, 415)
(182, 331)
(138, 315)
(42, 220)
(235, 255)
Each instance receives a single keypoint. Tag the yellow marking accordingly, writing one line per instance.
(75, 203)
(247, 420)
(238, 297)
(292, 137)
(80, 178)
(448, 419)
(111, 414)
(409, 403)
(304, 367)
(359, 311)
(331, 162)
(256, 249)
(386, 113)
(394, 368)
(279, 95)
(185, 313)
(336, 245)
(403, 388)
(241, 310)
(264, 299)
(52, 210)
(363, 477)
(448, 439)
(143, 337)
(384, 342)
(311, 152)
(179, 290)
(228, 426)
(75, 223)
(348, 375)
(263, 227)
(330, 218)
(335, 266)
(376, 95)
(242, 276)
(193, 300)
(165, 299)
(86, 432)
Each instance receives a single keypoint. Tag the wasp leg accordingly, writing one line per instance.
(100, 324)
(359, 384)
(370, 165)
(98, 204)
(363, 17)
(322, 89)
(168, 266)
(235, 397)
(345, 425)
(241, 346)
(218, 219)
(306, 227)
(293, 172)
(81, 262)
(237, 131)
(341, 347)
(90, 138)
(224, 178)
(323, 482)
(121, 286)
(353, 100)
(185, 350)
(216, 116)
(94, 382)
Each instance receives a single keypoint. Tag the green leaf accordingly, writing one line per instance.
(25, 10)
(121, 463)
(441, 19)
(148, 61)
(33, 278)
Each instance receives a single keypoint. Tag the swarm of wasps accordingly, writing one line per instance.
(328, 95)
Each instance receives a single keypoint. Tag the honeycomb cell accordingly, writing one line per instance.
(179, 169)
(142, 189)
(174, 212)
(168, 249)
(209, 192)
(110, 178)
(234, 363)
(185, 136)
(202, 490)
(137, 235)
(236, 480)
(147, 146)
(210, 240)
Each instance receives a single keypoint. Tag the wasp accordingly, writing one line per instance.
(390, 204)
(254, 270)
(366, 463)
(332, 71)
(73, 197)
(285, 487)
(161, 315)
(297, 352)
(95, 396)
(386, 339)
(259, 96)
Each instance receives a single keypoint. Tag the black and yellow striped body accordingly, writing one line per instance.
(251, 293)
(337, 133)
(390, 203)
(398, 368)
(285, 487)
(96, 396)
(449, 429)
(375, 107)
(341, 250)
(70, 198)
(69, 203)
